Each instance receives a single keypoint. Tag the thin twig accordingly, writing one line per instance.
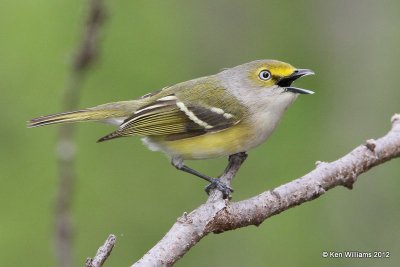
(102, 253)
(84, 57)
(221, 215)
(234, 164)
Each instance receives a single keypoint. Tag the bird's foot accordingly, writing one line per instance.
(217, 184)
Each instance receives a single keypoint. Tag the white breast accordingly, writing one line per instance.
(266, 118)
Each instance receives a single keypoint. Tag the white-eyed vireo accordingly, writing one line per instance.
(213, 116)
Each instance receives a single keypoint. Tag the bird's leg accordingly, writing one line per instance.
(214, 182)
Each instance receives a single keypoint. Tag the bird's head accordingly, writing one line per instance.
(265, 81)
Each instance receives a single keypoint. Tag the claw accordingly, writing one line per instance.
(217, 184)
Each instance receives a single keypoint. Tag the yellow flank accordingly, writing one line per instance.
(210, 145)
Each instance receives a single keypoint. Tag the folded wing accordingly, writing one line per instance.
(175, 119)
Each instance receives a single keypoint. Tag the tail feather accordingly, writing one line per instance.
(73, 116)
(107, 112)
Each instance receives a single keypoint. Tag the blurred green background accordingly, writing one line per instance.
(123, 188)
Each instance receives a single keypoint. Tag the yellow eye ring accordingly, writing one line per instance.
(264, 75)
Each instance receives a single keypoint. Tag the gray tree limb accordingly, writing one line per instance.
(218, 215)
(102, 253)
(84, 56)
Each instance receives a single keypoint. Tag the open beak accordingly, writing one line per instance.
(287, 81)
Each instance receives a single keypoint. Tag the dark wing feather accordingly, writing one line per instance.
(174, 120)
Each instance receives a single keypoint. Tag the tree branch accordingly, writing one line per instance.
(83, 58)
(218, 215)
(102, 253)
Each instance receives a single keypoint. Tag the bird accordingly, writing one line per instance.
(218, 115)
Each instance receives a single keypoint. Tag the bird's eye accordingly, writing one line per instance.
(264, 75)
